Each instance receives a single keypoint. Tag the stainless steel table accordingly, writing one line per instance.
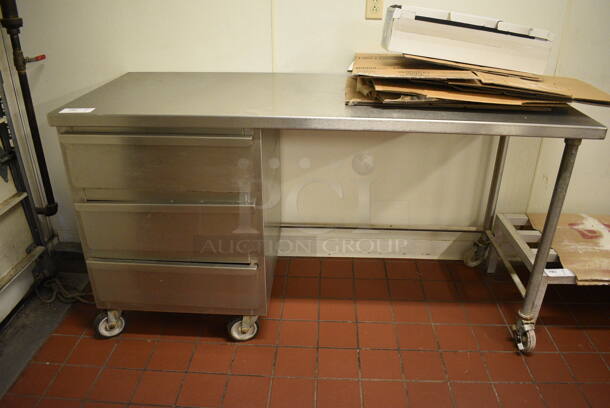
(191, 101)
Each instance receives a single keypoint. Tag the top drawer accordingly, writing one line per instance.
(187, 168)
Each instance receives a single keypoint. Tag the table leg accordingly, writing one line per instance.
(477, 253)
(536, 286)
(496, 180)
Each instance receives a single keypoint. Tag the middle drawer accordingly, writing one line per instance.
(184, 232)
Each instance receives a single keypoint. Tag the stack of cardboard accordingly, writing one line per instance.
(413, 81)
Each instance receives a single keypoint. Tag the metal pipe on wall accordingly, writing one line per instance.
(12, 23)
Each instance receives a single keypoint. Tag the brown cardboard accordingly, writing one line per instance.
(430, 91)
(471, 67)
(541, 87)
(357, 93)
(583, 244)
(420, 70)
(580, 90)
(353, 97)
(413, 101)
(395, 66)
(549, 86)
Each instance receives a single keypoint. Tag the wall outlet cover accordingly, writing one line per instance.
(374, 9)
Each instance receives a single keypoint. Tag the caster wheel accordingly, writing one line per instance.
(474, 257)
(103, 329)
(234, 328)
(525, 339)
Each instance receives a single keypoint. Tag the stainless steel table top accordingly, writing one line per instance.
(292, 101)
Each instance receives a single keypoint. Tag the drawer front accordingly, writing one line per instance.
(207, 233)
(114, 167)
(204, 288)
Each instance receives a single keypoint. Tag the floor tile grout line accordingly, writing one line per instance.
(155, 347)
(59, 370)
(499, 309)
(488, 372)
(277, 335)
(229, 375)
(141, 376)
(482, 355)
(446, 323)
(372, 380)
(186, 373)
(272, 377)
(317, 349)
(397, 338)
(531, 374)
(338, 348)
(594, 345)
(199, 340)
(101, 370)
(565, 361)
(442, 357)
(584, 394)
(358, 348)
(378, 379)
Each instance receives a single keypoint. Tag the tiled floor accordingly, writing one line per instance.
(340, 333)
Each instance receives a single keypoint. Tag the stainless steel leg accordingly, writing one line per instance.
(492, 261)
(536, 287)
(476, 254)
(247, 322)
(496, 180)
(113, 317)
(533, 299)
(243, 328)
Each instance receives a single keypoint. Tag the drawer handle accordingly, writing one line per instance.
(161, 140)
(178, 265)
(138, 207)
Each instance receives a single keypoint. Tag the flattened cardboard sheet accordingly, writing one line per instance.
(580, 90)
(583, 244)
(549, 86)
(420, 70)
(542, 87)
(358, 93)
(453, 95)
(471, 67)
(395, 66)
(353, 97)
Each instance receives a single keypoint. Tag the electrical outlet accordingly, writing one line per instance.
(374, 9)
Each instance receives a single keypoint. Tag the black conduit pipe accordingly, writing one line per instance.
(12, 23)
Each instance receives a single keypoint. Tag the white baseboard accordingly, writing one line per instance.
(324, 242)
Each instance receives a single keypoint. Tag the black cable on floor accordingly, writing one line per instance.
(57, 290)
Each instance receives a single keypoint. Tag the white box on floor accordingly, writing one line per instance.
(466, 38)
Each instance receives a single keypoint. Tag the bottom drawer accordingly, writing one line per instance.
(178, 287)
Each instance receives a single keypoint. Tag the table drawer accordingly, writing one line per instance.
(185, 232)
(204, 288)
(161, 167)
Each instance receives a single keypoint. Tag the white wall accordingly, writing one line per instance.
(90, 42)
(584, 54)
(415, 179)
(418, 179)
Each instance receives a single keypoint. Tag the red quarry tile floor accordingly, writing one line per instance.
(340, 333)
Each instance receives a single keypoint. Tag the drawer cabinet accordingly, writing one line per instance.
(176, 219)
(185, 232)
